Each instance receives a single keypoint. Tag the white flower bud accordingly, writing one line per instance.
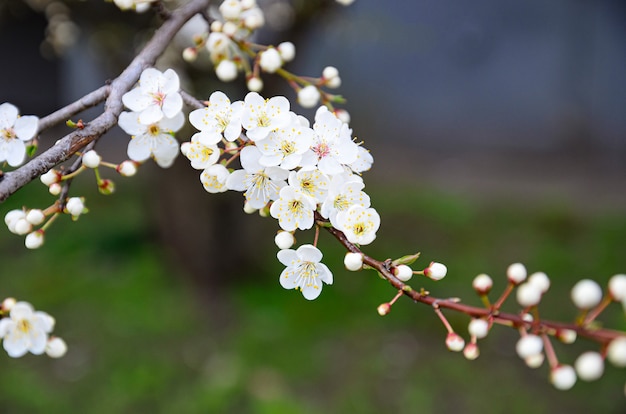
(22, 227)
(127, 168)
(478, 328)
(287, 51)
(184, 147)
(403, 272)
(616, 352)
(436, 271)
(353, 261)
(482, 284)
(34, 240)
(454, 342)
(56, 347)
(230, 9)
(124, 4)
(55, 189)
(617, 288)
(35, 217)
(91, 159)
(255, 84)
(528, 295)
(229, 29)
(345, 2)
(7, 304)
(247, 4)
(586, 294)
(226, 70)
(567, 336)
(383, 309)
(12, 217)
(270, 60)
(50, 177)
(254, 18)
(190, 54)
(342, 115)
(471, 351)
(216, 26)
(248, 209)
(528, 345)
(284, 240)
(527, 317)
(540, 280)
(534, 361)
(563, 377)
(589, 366)
(516, 273)
(75, 206)
(330, 74)
(309, 96)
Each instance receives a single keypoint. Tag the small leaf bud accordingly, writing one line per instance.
(478, 328)
(34, 240)
(471, 351)
(482, 284)
(563, 377)
(91, 159)
(616, 352)
(586, 294)
(516, 273)
(353, 261)
(309, 96)
(35, 217)
(617, 288)
(528, 345)
(436, 271)
(384, 309)
(528, 295)
(454, 342)
(589, 366)
(56, 347)
(540, 280)
(403, 272)
(284, 239)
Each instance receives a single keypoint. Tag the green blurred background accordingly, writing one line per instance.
(498, 138)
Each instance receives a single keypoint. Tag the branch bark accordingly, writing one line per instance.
(68, 145)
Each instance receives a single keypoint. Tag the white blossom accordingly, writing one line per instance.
(312, 183)
(293, 209)
(359, 224)
(14, 131)
(25, 330)
(284, 147)
(261, 116)
(214, 178)
(344, 191)
(201, 154)
(34, 240)
(304, 270)
(156, 96)
(75, 206)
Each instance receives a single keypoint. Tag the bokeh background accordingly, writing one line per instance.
(498, 133)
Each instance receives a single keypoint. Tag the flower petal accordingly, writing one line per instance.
(136, 100)
(151, 115)
(139, 148)
(26, 127)
(129, 122)
(8, 115)
(309, 253)
(172, 105)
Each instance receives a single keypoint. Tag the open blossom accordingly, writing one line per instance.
(156, 96)
(293, 209)
(359, 224)
(14, 131)
(304, 270)
(25, 330)
(285, 146)
(344, 192)
(201, 154)
(220, 119)
(214, 178)
(260, 116)
(261, 184)
(312, 183)
(154, 140)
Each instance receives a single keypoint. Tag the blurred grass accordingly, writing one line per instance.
(140, 339)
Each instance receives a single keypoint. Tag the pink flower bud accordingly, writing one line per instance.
(454, 342)
(436, 271)
(384, 309)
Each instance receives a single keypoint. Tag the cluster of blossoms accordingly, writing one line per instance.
(290, 170)
(23, 330)
(15, 131)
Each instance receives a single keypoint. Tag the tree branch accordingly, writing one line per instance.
(68, 145)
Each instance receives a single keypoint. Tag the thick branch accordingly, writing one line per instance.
(602, 336)
(67, 146)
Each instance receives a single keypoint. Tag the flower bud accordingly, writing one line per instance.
(471, 351)
(229, 29)
(226, 70)
(528, 345)
(586, 294)
(309, 96)
(528, 295)
(403, 272)
(248, 209)
(353, 261)
(106, 187)
(254, 19)
(482, 284)
(55, 189)
(331, 78)
(190, 54)
(384, 309)
(589, 366)
(7, 304)
(91, 159)
(616, 352)
(270, 60)
(534, 361)
(478, 328)
(127, 168)
(342, 115)
(230, 9)
(12, 217)
(22, 227)
(617, 288)
(563, 377)
(52, 176)
(34, 240)
(567, 336)
(436, 271)
(540, 280)
(284, 239)
(516, 273)
(255, 84)
(75, 206)
(454, 342)
(216, 26)
(287, 51)
(56, 347)
(35, 217)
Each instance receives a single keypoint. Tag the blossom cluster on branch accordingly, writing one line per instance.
(306, 175)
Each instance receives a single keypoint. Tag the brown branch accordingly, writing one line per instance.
(603, 336)
(67, 146)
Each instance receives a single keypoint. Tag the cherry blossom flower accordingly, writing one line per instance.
(293, 209)
(344, 191)
(201, 154)
(154, 140)
(14, 131)
(359, 224)
(156, 96)
(260, 116)
(261, 184)
(25, 330)
(220, 119)
(304, 270)
(285, 146)
(214, 178)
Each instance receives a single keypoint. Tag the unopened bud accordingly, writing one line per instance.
(55, 189)
(589, 366)
(616, 352)
(384, 309)
(471, 351)
(56, 347)
(403, 272)
(106, 187)
(436, 271)
(617, 288)
(127, 168)
(35, 217)
(567, 336)
(516, 273)
(528, 345)
(34, 240)
(52, 176)
(190, 54)
(482, 284)
(535, 360)
(478, 328)
(563, 377)
(353, 261)
(586, 294)
(255, 84)
(454, 342)
(91, 159)
(284, 239)
(528, 295)
(7, 304)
